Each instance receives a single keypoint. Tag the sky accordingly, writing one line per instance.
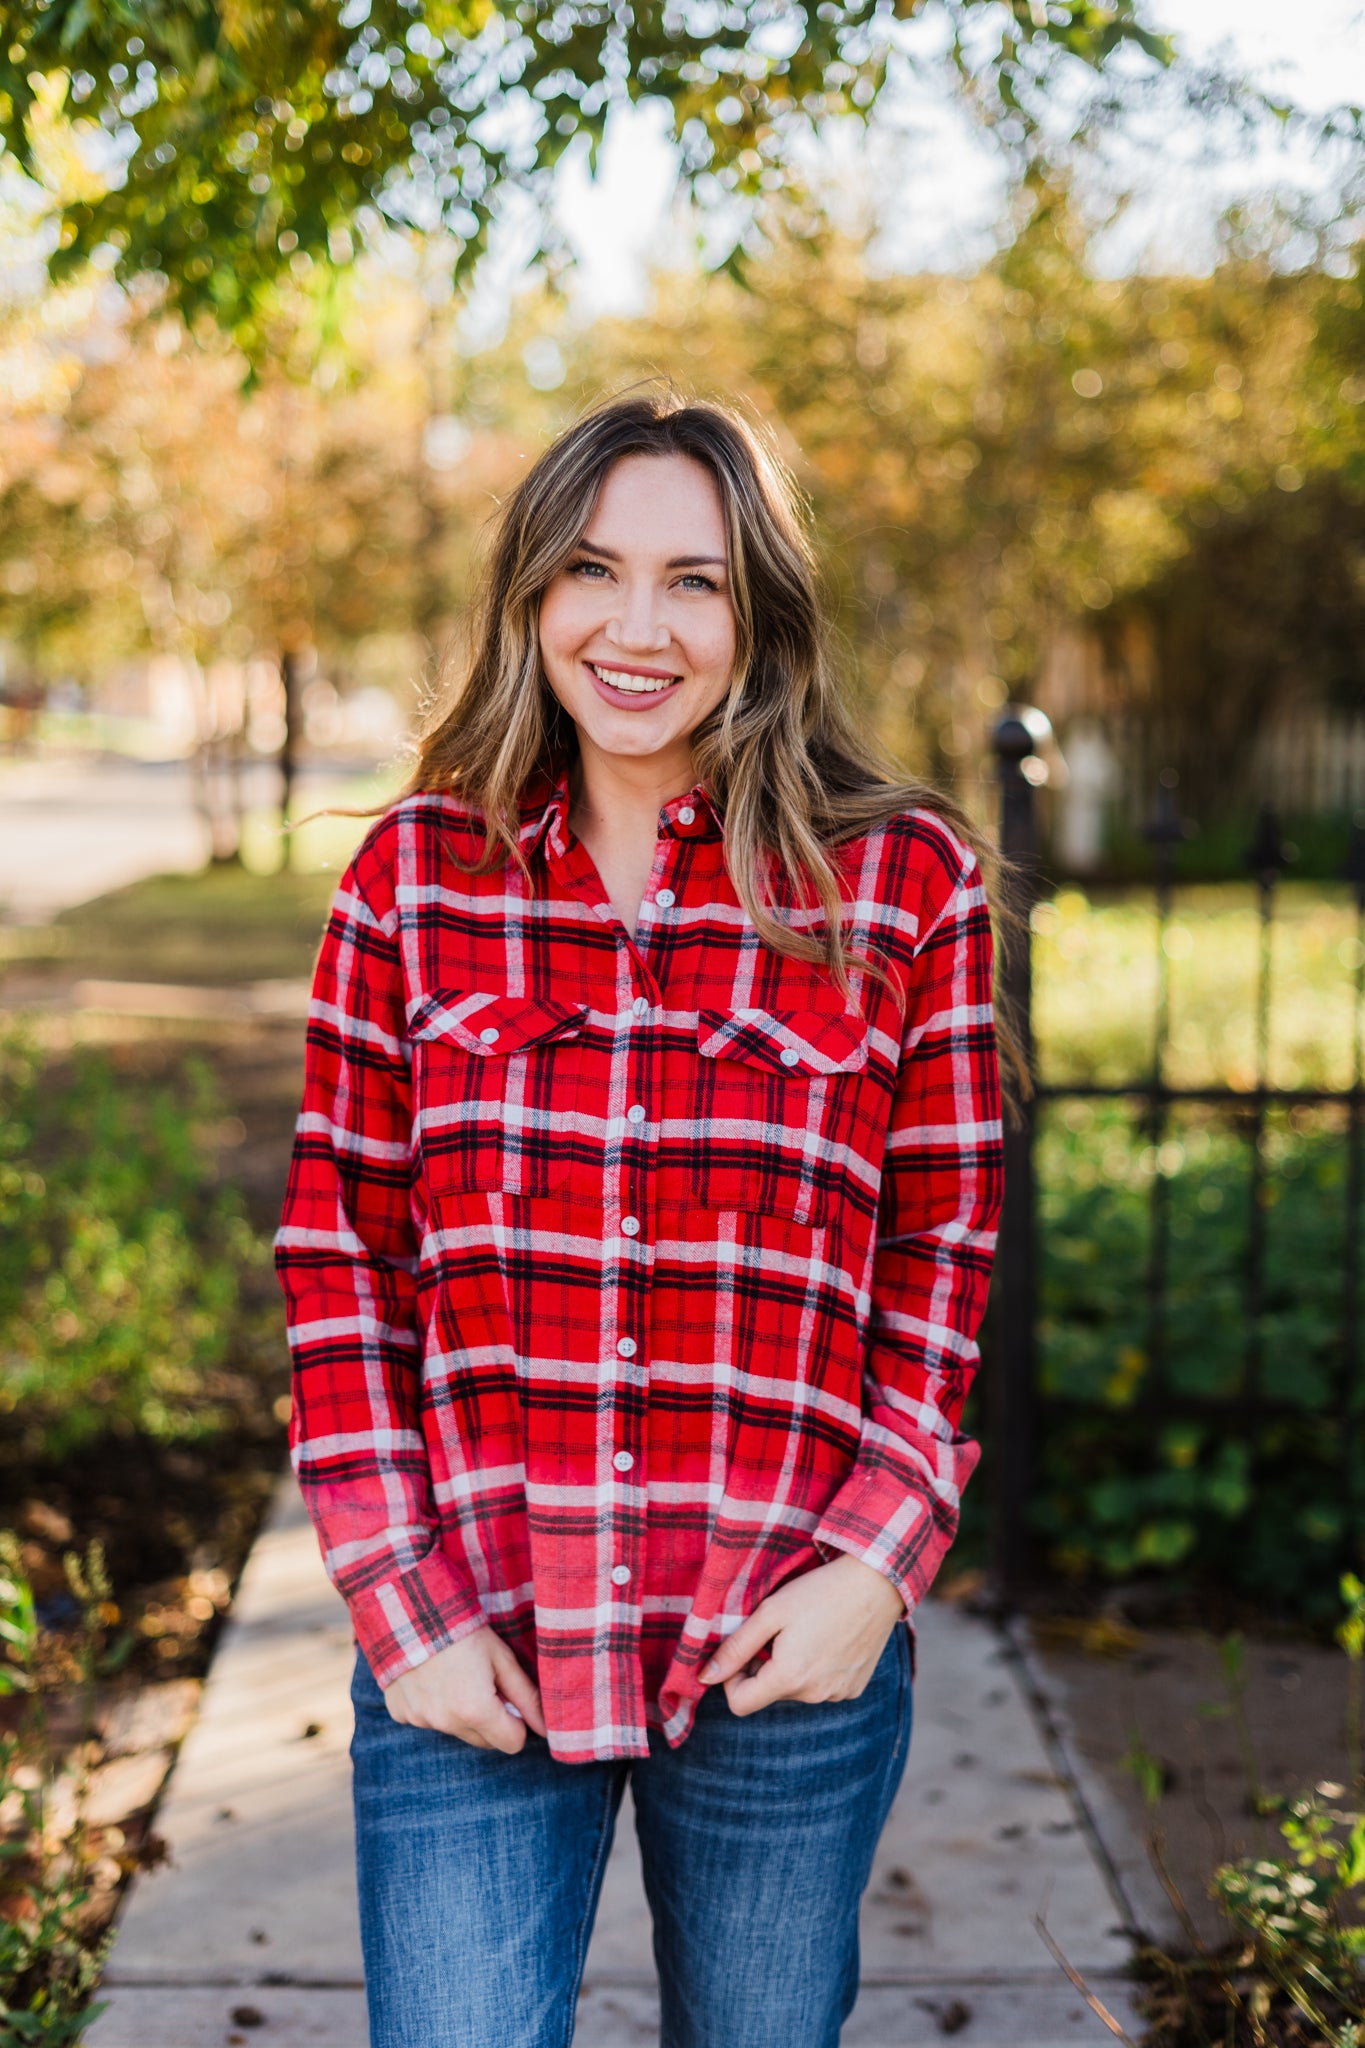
(947, 187)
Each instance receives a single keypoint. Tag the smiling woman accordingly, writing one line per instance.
(638, 644)
(639, 1226)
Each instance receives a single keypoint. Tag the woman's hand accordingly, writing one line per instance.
(827, 1630)
(474, 1689)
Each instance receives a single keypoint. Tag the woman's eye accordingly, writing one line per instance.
(700, 583)
(590, 569)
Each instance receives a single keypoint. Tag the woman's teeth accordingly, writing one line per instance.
(635, 686)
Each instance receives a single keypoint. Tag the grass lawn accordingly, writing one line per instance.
(219, 928)
(1095, 984)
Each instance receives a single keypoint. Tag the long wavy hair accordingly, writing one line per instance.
(790, 775)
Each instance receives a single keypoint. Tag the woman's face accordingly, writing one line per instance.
(637, 631)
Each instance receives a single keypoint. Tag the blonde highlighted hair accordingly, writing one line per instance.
(780, 755)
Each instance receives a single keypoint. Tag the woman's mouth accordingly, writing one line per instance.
(634, 683)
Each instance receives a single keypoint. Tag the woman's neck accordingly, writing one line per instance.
(620, 798)
(614, 810)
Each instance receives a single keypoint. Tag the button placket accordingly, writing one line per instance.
(632, 1278)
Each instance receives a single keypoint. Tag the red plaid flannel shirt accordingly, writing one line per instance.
(628, 1280)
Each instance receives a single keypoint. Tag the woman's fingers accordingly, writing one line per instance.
(517, 1687)
(769, 1682)
(463, 1691)
(497, 1729)
(753, 1634)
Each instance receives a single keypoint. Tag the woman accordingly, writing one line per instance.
(639, 1225)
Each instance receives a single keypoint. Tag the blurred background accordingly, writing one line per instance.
(1056, 313)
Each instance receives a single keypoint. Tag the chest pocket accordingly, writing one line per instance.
(776, 1096)
(495, 1088)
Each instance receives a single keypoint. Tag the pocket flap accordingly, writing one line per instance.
(491, 1023)
(788, 1042)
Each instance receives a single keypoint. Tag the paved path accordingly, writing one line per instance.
(73, 828)
(249, 1935)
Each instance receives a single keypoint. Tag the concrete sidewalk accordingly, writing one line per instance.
(249, 1934)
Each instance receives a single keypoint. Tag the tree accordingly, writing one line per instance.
(245, 138)
(996, 462)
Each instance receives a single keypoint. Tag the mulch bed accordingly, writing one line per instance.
(176, 1521)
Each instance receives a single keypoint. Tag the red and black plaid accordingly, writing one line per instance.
(629, 1279)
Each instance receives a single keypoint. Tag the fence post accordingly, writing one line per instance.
(1017, 734)
(1348, 1403)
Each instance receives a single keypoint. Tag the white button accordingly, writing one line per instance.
(489, 1034)
(789, 1056)
(641, 1006)
(623, 1461)
(686, 815)
(636, 1113)
(665, 899)
(620, 1575)
(630, 1226)
(626, 1347)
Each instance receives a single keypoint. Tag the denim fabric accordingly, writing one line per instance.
(480, 1873)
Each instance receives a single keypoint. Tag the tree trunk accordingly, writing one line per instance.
(291, 675)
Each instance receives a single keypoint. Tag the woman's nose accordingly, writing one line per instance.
(637, 628)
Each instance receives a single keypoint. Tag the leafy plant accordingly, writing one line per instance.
(121, 1259)
(1293, 1974)
(48, 1968)
(1301, 1911)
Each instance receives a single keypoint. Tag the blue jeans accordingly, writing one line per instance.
(480, 1873)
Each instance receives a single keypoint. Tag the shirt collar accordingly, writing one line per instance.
(545, 813)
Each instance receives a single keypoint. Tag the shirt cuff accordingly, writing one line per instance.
(876, 1518)
(408, 1618)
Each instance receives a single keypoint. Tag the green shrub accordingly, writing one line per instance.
(1255, 1498)
(121, 1258)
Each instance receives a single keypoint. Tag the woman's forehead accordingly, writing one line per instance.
(665, 505)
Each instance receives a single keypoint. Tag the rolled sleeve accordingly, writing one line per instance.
(347, 1257)
(940, 1198)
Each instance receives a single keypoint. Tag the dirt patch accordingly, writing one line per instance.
(1121, 1695)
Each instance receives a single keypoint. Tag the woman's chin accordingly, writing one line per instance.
(633, 735)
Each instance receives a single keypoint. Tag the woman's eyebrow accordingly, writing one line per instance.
(591, 547)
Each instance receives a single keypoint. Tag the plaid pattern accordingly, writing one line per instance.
(627, 1281)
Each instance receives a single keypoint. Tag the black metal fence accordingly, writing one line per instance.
(1025, 1404)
